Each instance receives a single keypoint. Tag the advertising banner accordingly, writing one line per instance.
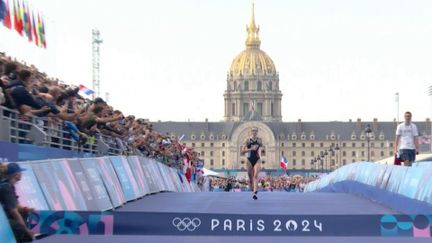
(99, 191)
(56, 186)
(68, 184)
(196, 224)
(168, 180)
(28, 190)
(91, 185)
(80, 177)
(111, 181)
(126, 178)
(137, 170)
(149, 178)
(157, 176)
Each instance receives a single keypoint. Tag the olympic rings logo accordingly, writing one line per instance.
(186, 223)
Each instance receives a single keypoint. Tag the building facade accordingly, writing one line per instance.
(253, 82)
(253, 99)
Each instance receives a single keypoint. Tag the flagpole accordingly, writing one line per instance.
(430, 135)
(397, 106)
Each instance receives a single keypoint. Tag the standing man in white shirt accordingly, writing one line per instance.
(406, 140)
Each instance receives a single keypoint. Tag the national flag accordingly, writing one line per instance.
(29, 24)
(7, 17)
(42, 32)
(187, 169)
(21, 18)
(283, 163)
(39, 29)
(83, 89)
(2, 10)
(18, 25)
(34, 30)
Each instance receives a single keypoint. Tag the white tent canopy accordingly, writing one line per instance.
(208, 172)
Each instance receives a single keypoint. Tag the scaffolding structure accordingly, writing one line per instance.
(96, 41)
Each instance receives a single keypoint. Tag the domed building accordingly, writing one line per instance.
(253, 99)
(253, 82)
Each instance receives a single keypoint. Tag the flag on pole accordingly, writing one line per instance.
(34, 30)
(2, 10)
(283, 163)
(27, 22)
(7, 15)
(83, 89)
(187, 169)
(18, 24)
(39, 29)
(42, 32)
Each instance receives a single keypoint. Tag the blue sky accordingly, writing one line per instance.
(167, 59)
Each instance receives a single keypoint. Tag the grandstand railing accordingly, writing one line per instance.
(37, 131)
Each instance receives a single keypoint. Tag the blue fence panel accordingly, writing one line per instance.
(100, 192)
(56, 186)
(127, 180)
(410, 182)
(398, 172)
(28, 190)
(140, 177)
(111, 181)
(151, 182)
(6, 234)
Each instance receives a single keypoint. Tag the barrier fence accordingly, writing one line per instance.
(412, 182)
(95, 184)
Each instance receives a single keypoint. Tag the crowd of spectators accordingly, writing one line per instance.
(267, 183)
(32, 93)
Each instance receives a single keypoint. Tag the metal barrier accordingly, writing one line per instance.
(38, 131)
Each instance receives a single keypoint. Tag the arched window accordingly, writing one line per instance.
(246, 85)
(272, 109)
(233, 109)
(259, 86)
(245, 108)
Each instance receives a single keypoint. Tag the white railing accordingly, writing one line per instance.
(37, 131)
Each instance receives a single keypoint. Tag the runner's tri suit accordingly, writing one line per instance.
(253, 155)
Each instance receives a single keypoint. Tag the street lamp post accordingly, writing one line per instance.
(325, 157)
(331, 152)
(319, 158)
(337, 156)
(368, 131)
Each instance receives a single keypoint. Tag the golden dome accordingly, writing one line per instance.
(252, 61)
